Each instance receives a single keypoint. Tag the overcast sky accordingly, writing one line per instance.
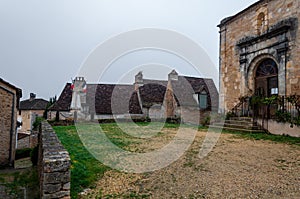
(44, 43)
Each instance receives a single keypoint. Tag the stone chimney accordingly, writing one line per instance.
(32, 96)
(173, 75)
(139, 80)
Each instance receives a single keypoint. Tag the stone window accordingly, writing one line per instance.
(267, 68)
(261, 23)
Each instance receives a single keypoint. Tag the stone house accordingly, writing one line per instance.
(151, 96)
(29, 110)
(62, 107)
(146, 98)
(100, 101)
(9, 104)
(190, 98)
(259, 52)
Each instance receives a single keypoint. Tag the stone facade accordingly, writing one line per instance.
(29, 110)
(9, 100)
(28, 118)
(54, 165)
(267, 30)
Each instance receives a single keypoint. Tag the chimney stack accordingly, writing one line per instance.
(32, 96)
(139, 80)
(173, 75)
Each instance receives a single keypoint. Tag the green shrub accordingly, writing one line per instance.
(206, 121)
(23, 153)
(34, 155)
(282, 116)
(229, 115)
(37, 122)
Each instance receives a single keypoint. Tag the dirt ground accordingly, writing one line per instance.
(236, 168)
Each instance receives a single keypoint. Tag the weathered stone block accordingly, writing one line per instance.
(57, 177)
(61, 194)
(51, 188)
(67, 186)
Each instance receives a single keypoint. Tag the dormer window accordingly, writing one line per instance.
(202, 97)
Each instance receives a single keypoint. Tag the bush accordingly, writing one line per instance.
(37, 122)
(22, 153)
(173, 120)
(34, 155)
(282, 116)
(206, 121)
(229, 115)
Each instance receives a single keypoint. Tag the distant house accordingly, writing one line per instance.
(29, 110)
(156, 99)
(191, 98)
(63, 105)
(9, 104)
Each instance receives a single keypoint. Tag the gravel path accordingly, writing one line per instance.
(236, 168)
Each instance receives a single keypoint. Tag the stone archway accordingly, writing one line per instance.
(250, 73)
(266, 78)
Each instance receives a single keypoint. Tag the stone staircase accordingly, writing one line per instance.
(241, 124)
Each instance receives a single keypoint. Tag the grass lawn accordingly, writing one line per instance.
(86, 170)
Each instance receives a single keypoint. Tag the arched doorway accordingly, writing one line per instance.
(266, 78)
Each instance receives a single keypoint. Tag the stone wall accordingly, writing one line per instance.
(193, 115)
(8, 118)
(30, 141)
(54, 165)
(245, 42)
(277, 128)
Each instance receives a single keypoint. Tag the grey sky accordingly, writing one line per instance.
(44, 43)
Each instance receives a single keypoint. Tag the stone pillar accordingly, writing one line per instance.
(282, 75)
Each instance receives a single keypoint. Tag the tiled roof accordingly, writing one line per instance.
(22, 135)
(33, 104)
(185, 87)
(64, 101)
(100, 98)
(111, 98)
(153, 81)
(152, 92)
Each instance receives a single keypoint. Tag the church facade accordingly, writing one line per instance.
(260, 52)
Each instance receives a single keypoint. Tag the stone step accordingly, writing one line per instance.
(238, 122)
(249, 119)
(239, 126)
(237, 129)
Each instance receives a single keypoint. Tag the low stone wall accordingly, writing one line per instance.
(30, 141)
(54, 165)
(277, 128)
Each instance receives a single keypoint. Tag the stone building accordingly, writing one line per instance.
(146, 98)
(259, 52)
(29, 110)
(9, 104)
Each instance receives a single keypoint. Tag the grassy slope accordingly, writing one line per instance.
(86, 169)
